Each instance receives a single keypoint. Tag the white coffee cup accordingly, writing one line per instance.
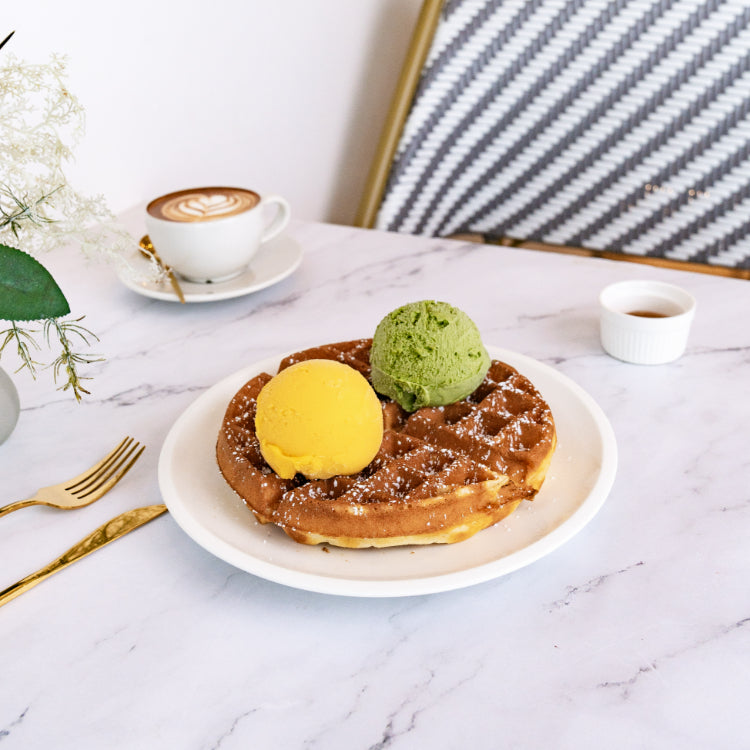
(211, 234)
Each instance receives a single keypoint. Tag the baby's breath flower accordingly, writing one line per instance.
(41, 122)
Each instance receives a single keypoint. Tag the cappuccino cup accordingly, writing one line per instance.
(211, 234)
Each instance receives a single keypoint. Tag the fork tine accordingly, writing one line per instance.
(94, 471)
(111, 479)
(107, 470)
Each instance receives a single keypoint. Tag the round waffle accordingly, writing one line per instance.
(441, 474)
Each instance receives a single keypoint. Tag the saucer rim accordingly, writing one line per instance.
(221, 290)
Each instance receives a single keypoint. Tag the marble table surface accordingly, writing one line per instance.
(633, 634)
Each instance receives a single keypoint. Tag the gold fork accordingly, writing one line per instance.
(88, 486)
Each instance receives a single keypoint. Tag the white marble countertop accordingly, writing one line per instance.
(634, 634)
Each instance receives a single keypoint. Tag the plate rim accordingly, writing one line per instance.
(441, 582)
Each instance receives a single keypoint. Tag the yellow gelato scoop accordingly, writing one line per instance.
(319, 418)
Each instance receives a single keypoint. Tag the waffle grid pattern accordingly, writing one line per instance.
(440, 469)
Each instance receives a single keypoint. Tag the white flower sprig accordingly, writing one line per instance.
(41, 122)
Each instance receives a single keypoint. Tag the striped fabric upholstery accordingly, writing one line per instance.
(620, 126)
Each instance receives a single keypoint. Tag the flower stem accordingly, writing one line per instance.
(22, 338)
(69, 361)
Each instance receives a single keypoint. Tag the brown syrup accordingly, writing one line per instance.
(648, 314)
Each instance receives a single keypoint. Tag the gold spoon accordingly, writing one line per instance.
(147, 249)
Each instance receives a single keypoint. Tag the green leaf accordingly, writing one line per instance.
(27, 290)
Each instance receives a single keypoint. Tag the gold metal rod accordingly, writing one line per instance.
(421, 40)
(670, 263)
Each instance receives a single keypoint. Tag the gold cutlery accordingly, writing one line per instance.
(113, 529)
(88, 486)
(147, 249)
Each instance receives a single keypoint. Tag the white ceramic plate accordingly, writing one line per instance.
(274, 261)
(579, 479)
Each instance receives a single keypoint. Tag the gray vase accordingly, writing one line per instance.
(10, 406)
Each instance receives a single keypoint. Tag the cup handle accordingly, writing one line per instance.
(279, 222)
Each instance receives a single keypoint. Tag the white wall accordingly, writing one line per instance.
(283, 96)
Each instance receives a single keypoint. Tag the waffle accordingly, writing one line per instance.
(441, 475)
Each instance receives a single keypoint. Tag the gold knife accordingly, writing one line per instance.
(113, 529)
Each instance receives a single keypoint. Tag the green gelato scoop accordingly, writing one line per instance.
(427, 354)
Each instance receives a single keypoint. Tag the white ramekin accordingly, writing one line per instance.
(643, 340)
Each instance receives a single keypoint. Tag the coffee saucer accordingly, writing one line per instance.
(276, 259)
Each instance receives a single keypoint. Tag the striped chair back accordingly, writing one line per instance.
(620, 126)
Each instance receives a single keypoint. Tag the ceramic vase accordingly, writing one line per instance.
(10, 406)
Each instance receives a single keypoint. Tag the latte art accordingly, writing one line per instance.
(203, 204)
